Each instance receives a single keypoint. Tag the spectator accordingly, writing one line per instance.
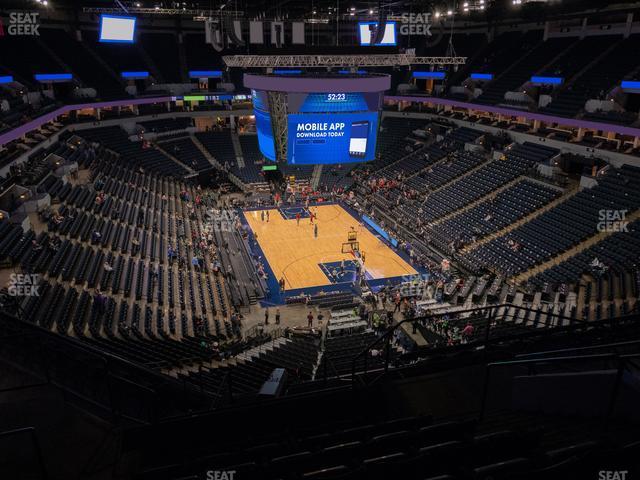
(467, 332)
(135, 245)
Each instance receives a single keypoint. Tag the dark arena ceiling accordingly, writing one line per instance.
(346, 9)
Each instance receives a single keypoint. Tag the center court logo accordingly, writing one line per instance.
(21, 24)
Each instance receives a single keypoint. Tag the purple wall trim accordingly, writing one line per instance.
(355, 85)
(284, 83)
(572, 122)
(47, 117)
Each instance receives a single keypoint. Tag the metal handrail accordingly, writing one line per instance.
(327, 360)
(577, 349)
(491, 309)
(108, 362)
(622, 362)
(36, 444)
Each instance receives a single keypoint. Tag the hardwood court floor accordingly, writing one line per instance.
(293, 252)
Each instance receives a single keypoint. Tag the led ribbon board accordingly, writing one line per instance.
(205, 73)
(430, 75)
(630, 85)
(547, 80)
(53, 77)
(482, 76)
(378, 229)
(135, 75)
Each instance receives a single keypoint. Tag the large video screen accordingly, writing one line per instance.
(331, 137)
(323, 128)
(117, 29)
(263, 124)
(388, 39)
(328, 128)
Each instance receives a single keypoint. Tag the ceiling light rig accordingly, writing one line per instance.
(469, 6)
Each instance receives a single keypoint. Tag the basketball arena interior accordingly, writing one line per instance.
(319, 239)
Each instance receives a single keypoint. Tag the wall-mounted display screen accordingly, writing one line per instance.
(117, 29)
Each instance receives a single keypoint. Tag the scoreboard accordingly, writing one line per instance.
(319, 127)
(322, 128)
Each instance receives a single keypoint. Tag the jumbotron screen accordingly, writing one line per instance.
(263, 124)
(323, 128)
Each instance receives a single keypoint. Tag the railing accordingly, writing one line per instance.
(33, 438)
(619, 362)
(105, 384)
(327, 362)
(576, 350)
(259, 332)
(489, 314)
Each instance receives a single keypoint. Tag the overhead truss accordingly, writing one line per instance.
(196, 13)
(394, 60)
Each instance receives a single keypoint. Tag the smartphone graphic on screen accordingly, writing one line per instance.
(358, 141)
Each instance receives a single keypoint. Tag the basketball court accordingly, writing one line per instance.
(304, 261)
